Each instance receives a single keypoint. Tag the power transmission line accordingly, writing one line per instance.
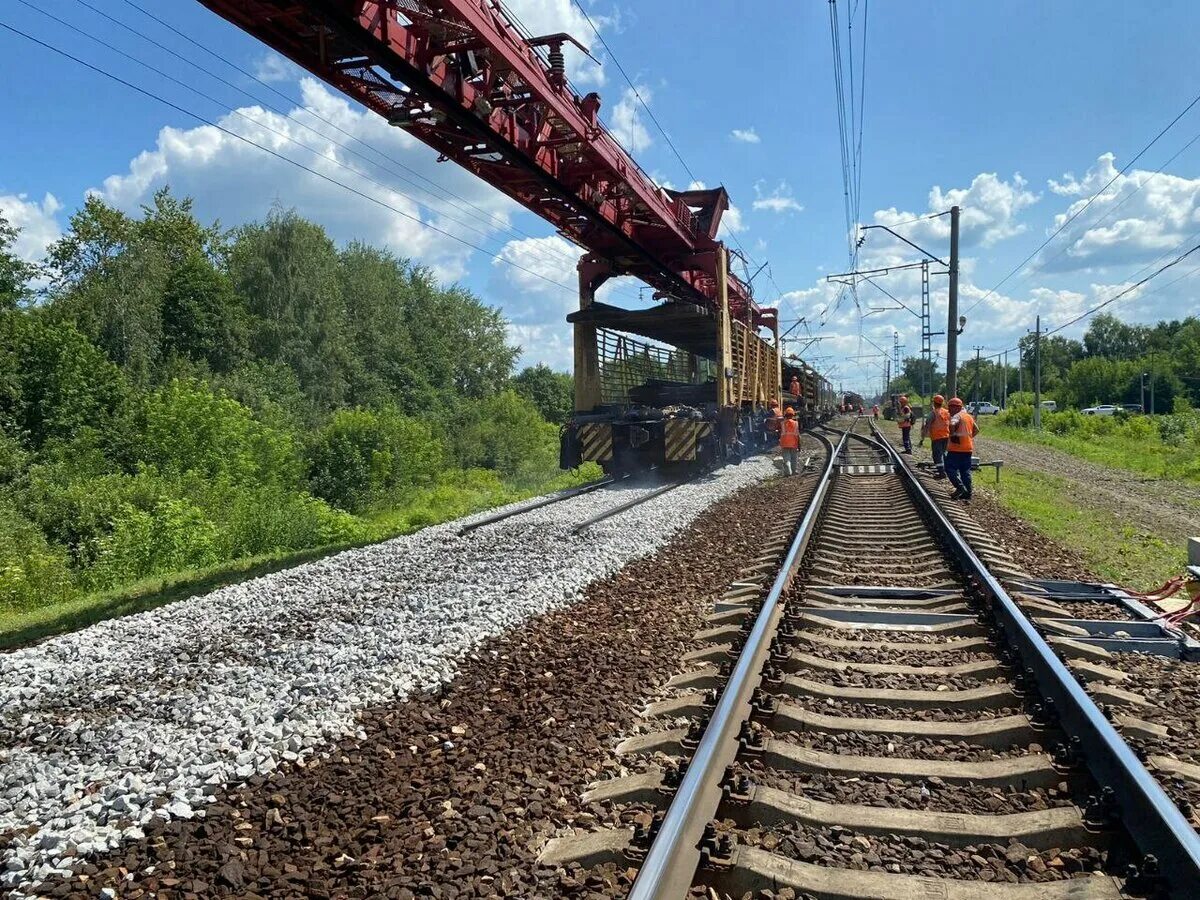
(1128, 290)
(1089, 202)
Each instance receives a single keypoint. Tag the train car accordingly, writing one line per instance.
(807, 392)
(852, 402)
(675, 385)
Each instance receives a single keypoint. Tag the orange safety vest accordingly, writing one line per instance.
(773, 422)
(962, 434)
(789, 435)
(940, 428)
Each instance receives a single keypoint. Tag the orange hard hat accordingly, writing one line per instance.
(938, 399)
(955, 403)
(789, 412)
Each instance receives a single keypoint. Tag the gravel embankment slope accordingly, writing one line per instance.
(453, 793)
(143, 719)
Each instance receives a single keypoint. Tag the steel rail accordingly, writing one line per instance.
(1156, 825)
(629, 504)
(670, 865)
(538, 504)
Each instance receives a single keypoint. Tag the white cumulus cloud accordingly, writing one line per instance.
(234, 181)
(37, 222)
(780, 200)
(271, 68)
(990, 210)
(1135, 217)
(746, 135)
(626, 123)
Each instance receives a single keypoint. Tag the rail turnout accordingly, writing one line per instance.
(882, 720)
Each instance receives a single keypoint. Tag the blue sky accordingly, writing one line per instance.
(1018, 111)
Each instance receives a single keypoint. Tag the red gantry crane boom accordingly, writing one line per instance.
(464, 77)
(460, 76)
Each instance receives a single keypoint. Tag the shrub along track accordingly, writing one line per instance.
(892, 746)
(453, 795)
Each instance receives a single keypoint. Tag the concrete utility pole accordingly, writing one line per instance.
(975, 389)
(1037, 374)
(952, 311)
(1152, 390)
(1004, 384)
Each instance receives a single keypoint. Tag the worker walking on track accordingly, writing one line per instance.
(905, 422)
(770, 425)
(937, 429)
(961, 449)
(789, 442)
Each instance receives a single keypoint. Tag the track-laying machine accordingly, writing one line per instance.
(681, 381)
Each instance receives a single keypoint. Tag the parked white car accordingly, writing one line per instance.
(1049, 406)
(984, 408)
(1106, 410)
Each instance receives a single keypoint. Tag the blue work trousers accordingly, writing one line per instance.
(958, 470)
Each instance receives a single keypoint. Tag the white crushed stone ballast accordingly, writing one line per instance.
(150, 715)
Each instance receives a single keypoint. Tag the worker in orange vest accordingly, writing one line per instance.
(774, 417)
(905, 421)
(794, 387)
(875, 410)
(937, 429)
(961, 449)
(789, 442)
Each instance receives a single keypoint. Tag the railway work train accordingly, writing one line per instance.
(680, 382)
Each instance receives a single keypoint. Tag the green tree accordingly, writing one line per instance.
(57, 383)
(287, 270)
(202, 318)
(112, 275)
(386, 366)
(15, 273)
(921, 375)
(1108, 336)
(553, 393)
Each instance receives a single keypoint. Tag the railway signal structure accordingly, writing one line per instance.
(465, 78)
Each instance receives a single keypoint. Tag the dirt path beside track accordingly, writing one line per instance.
(1163, 506)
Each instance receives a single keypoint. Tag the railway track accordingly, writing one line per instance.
(883, 722)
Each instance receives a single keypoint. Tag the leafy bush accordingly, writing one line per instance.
(170, 536)
(187, 427)
(272, 521)
(32, 572)
(1018, 415)
(505, 433)
(362, 457)
(1178, 428)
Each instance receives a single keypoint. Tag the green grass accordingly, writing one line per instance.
(1146, 457)
(1111, 547)
(457, 495)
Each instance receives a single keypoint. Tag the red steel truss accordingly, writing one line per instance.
(461, 77)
